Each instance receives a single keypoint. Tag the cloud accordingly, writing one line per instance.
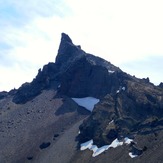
(116, 30)
(122, 32)
(148, 67)
(30, 9)
(25, 46)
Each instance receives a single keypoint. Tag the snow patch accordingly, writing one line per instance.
(123, 88)
(94, 148)
(131, 155)
(97, 151)
(86, 145)
(111, 122)
(128, 141)
(110, 71)
(87, 102)
(100, 150)
(115, 143)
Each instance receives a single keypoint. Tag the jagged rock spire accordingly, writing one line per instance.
(65, 38)
(67, 51)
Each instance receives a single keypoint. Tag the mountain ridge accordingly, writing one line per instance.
(127, 107)
(69, 56)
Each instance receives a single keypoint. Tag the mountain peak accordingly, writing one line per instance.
(65, 38)
(67, 51)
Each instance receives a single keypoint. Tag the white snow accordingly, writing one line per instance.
(111, 122)
(110, 71)
(131, 155)
(123, 88)
(115, 143)
(87, 102)
(127, 140)
(86, 145)
(96, 150)
(100, 150)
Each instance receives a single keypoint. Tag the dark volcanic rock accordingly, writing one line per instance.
(29, 158)
(86, 77)
(136, 151)
(75, 74)
(45, 79)
(3, 94)
(84, 74)
(67, 52)
(139, 107)
(161, 85)
(45, 145)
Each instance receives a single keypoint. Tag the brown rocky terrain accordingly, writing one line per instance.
(39, 122)
(28, 129)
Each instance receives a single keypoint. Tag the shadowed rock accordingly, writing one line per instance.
(45, 145)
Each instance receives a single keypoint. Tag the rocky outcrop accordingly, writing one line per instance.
(161, 85)
(138, 108)
(67, 52)
(84, 78)
(47, 78)
(3, 94)
(84, 74)
(75, 74)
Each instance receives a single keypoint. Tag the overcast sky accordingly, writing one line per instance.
(128, 33)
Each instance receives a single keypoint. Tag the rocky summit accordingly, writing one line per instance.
(49, 119)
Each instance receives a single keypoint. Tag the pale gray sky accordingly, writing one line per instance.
(127, 33)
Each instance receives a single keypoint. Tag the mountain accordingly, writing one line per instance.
(40, 121)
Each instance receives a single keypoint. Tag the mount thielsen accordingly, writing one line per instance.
(81, 109)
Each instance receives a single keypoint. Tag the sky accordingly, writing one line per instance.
(127, 33)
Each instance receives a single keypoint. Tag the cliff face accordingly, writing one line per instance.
(128, 106)
(76, 73)
(137, 109)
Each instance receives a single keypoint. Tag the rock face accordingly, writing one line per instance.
(161, 85)
(128, 106)
(45, 79)
(76, 73)
(67, 52)
(136, 110)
